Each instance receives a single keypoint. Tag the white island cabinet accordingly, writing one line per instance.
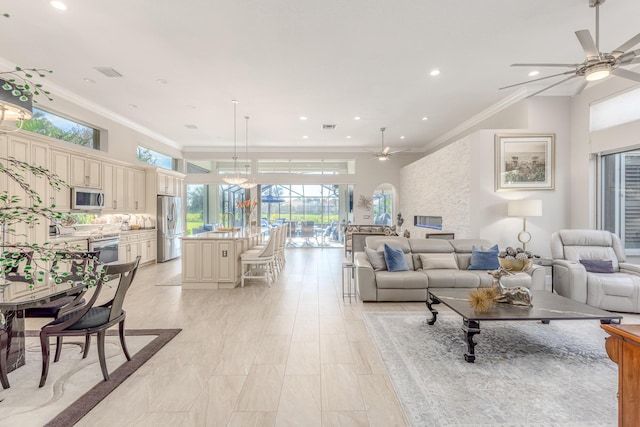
(211, 260)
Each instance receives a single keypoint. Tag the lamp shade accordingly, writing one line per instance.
(12, 107)
(524, 208)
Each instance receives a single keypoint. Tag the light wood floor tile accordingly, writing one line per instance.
(261, 390)
(306, 329)
(214, 407)
(366, 359)
(335, 349)
(274, 349)
(380, 401)
(304, 359)
(300, 401)
(340, 388)
(344, 419)
(252, 419)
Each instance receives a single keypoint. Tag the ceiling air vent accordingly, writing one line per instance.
(191, 126)
(328, 127)
(108, 71)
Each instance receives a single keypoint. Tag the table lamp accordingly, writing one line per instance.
(524, 208)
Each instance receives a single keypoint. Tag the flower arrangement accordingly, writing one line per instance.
(248, 206)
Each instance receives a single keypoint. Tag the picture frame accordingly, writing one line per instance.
(524, 162)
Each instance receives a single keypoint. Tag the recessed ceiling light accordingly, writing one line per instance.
(348, 136)
(303, 117)
(88, 80)
(534, 73)
(191, 107)
(133, 106)
(402, 137)
(162, 81)
(425, 118)
(356, 118)
(58, 5)
(305, 137)
(434, 72)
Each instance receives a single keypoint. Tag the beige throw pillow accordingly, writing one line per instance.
(376, 258)
(438, 261)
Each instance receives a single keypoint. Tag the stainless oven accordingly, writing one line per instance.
(108, 247)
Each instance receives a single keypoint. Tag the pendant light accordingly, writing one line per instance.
(234, 179)
(248, 184)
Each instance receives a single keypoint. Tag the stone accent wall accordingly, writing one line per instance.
(439, 185)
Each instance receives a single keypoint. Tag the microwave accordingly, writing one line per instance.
(87, 199)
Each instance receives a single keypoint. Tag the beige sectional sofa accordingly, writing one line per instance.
(355, 235)
(412, 285)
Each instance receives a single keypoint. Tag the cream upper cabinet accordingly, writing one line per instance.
(33, 153)
(85, 172)
(113, 185)
(166, 184)
(60, 164)
(135, 192)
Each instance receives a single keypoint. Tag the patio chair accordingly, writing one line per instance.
(308, 232)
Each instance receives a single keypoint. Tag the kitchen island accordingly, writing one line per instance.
(211, 260)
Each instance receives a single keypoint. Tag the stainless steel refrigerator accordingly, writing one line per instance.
(170, 227)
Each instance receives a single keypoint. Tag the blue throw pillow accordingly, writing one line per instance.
(484, 260)
(395, 259)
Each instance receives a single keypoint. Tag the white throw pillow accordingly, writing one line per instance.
(438, 261)
(376, 258)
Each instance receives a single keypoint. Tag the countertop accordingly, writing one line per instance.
(243, 233)
(71, 238)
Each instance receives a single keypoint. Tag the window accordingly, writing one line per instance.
(64, 129)
(307, 167)
(146, 155)
(615, 111)
(620, 197)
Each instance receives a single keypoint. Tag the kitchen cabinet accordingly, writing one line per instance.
(129, 247)
(135, 190)
(148, 246)
(60, 164)
(113, 187)
(33, 153)
(166, 184)
(134, 243)
(85, 172)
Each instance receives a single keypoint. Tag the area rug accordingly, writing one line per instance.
(74, 385)
(525, 373)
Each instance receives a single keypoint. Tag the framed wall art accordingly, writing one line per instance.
(524, 162)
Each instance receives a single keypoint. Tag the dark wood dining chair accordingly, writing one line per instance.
(4, 344)
(17, 266)
(90, 319)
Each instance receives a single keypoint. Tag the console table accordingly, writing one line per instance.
(623, 347)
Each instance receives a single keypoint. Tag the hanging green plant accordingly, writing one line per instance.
(21, 84)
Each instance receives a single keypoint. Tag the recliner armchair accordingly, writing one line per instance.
(617, 291)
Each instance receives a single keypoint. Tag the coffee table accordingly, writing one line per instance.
(546, 307)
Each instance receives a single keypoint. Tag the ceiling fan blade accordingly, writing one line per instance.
(589, 46)
(630, 57)
(535, 80)
(626, 46)
(553, 85)
(627, 74)
(547, 65)
(581, 87)
(399, 151)
(386, 150)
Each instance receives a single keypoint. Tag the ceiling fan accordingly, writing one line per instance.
(597, 65)
(386, 152)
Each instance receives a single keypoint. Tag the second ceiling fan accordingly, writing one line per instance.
(597, 65)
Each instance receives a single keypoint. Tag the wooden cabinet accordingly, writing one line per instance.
(113, 186)
(166, 184)
(135, 192)
(143, 243)
(60, 164)
(85, 172)
(623, 347)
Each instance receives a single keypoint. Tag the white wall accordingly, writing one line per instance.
(473, 208)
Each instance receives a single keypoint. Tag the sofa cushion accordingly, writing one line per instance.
(597, 265)
(484, 259)
(438, 261)
(376, 258)
(395, 259)
(401, 280)
(452, 279)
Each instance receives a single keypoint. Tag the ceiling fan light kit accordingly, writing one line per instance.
(597, 65)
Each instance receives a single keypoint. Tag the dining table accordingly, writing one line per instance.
(18, 296)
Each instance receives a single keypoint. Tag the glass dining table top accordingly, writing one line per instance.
(20, 295)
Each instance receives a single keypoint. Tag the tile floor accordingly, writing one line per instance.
(294, 354)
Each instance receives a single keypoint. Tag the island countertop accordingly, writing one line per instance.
(241, 233)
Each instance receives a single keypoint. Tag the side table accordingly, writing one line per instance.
(545, 262)
(348, 273)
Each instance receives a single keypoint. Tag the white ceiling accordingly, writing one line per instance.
(328, 60)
